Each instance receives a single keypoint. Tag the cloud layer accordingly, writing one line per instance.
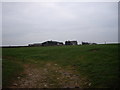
(24, 23)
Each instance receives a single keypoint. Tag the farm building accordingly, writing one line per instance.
(52, 43)
(86, 43)
(71, 43)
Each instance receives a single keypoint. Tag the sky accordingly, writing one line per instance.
(35, 22)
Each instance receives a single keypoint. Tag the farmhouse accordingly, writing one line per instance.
(52, 43)
(71, 43)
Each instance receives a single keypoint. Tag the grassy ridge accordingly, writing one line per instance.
(97, 62)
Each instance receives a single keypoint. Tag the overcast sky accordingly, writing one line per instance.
(24, 23)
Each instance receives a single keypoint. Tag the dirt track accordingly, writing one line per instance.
(50, 76)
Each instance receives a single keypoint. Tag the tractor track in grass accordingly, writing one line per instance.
(51, 75)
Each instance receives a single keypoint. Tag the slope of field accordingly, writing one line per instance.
(99, 64)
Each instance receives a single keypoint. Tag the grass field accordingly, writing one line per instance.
(99, 63)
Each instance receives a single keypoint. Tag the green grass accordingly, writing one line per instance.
(10, 72)
(97, 62)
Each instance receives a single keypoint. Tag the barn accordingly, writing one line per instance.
(52, 43)
(71, 43)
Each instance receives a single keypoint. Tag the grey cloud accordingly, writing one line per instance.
(25, 23)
